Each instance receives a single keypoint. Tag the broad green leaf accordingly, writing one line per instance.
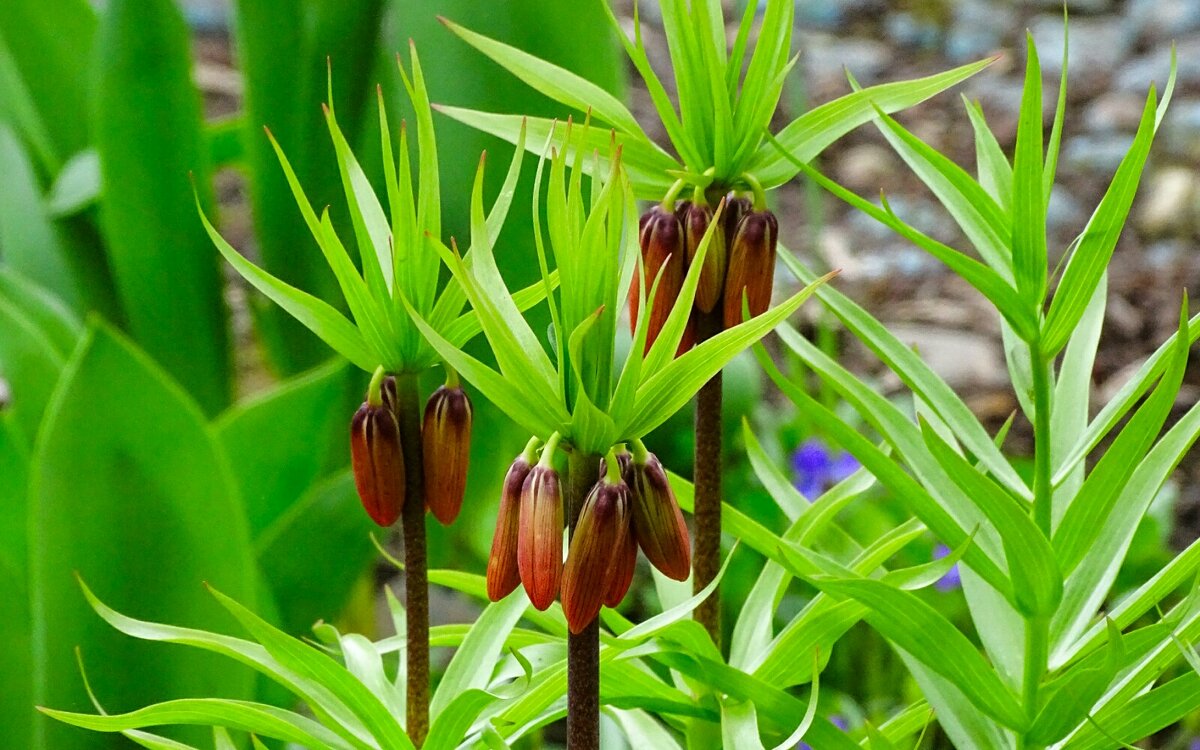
(30, 362)
(284, 51)
(1029, 207)
(962, 722)
(272, 465)
(16, 636)
(994, 171)
(309, 588)
(125, 461)
(77, 185)
(808, 135)
(164, 270)
(920, 630)
(1071, 699)
(58, 324)
(50, 54)
(29, 241)
(1142, 716)
(739, 725)
(641, 729)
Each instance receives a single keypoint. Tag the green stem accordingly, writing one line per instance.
(416, 572)
(1037, 629)
(583, 650)
(1043, 493)
(707, 481)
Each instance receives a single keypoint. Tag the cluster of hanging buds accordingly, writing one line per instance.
(630, 506)
(377, 451)
(740, 258)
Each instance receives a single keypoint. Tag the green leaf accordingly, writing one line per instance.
(1095, 499)
(242, 715)
(808, 135)
(272, 466)
(556, 82)
(30, 362)
(920, 630)
(1142, 716)
(319, 317)
(1036, 580)
(314, 587)
(915, 374)
(310, 663)
(963, 723)
(995, 173)
(58, 324)
(49, 53)
(1029, 207)
(168, 284)
(1070, 698)
(125, 462)
(473, 662)
(77, 185)
(1094, 250)
(29, 241)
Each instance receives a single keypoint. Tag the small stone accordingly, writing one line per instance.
(1156, 20)
(1179, 134)
(1114, 111)
(865, 168)
(826, 60)
(1137, 74)
(1076, 7)
(1095, 154)
(964, 359)
(1096, 44)
(1170, 204)
(977, 30)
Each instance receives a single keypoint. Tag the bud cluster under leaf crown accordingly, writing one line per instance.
(574, 384)
(377, 450)
(631, 505)
(727, 96)
(400, 265)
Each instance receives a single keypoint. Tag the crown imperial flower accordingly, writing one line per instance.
(503, 573)
(446, 450)
(539, 538)
(751, 265)
(595, 552)
(377, 458)
(658, 523)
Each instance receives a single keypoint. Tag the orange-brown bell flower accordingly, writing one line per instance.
(661, 240)
(539, 538)
(657, 521)
(751, 266)
(446, 450)
(377, 457)
(503, 573)
(696, 219)
(596, 544)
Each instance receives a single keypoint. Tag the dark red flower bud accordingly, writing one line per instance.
(751, 266)
(446, 451)
(696, 219)
(657, 521)
(387, 392)
(539, 540)
(621, 575)
(599, 537)
(503, 573)
(378, 462)
(661, 239)
(735, 209)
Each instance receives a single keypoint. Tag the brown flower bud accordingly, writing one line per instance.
(657, 521)
(446, 450)
(378, 462)
(661, 239)
(387, 392)
(751, 266)
(539, 540)
(623, 565)
(503, 574)
(696, 219)
(599, 537)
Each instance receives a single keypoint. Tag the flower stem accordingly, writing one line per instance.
(416, 574)
(707, 480)
(583, 650)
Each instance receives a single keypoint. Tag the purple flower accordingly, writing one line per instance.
(952, 580)
(1194, 744)
(837, 721)
(817, 468)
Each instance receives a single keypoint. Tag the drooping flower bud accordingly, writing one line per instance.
(696, 219)
(661, 240)
(623, 566)
(657, 521)
(751, 266)
(539, 539)
(503, 574)
(446, 450)
(377, 459)
(595, 546)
